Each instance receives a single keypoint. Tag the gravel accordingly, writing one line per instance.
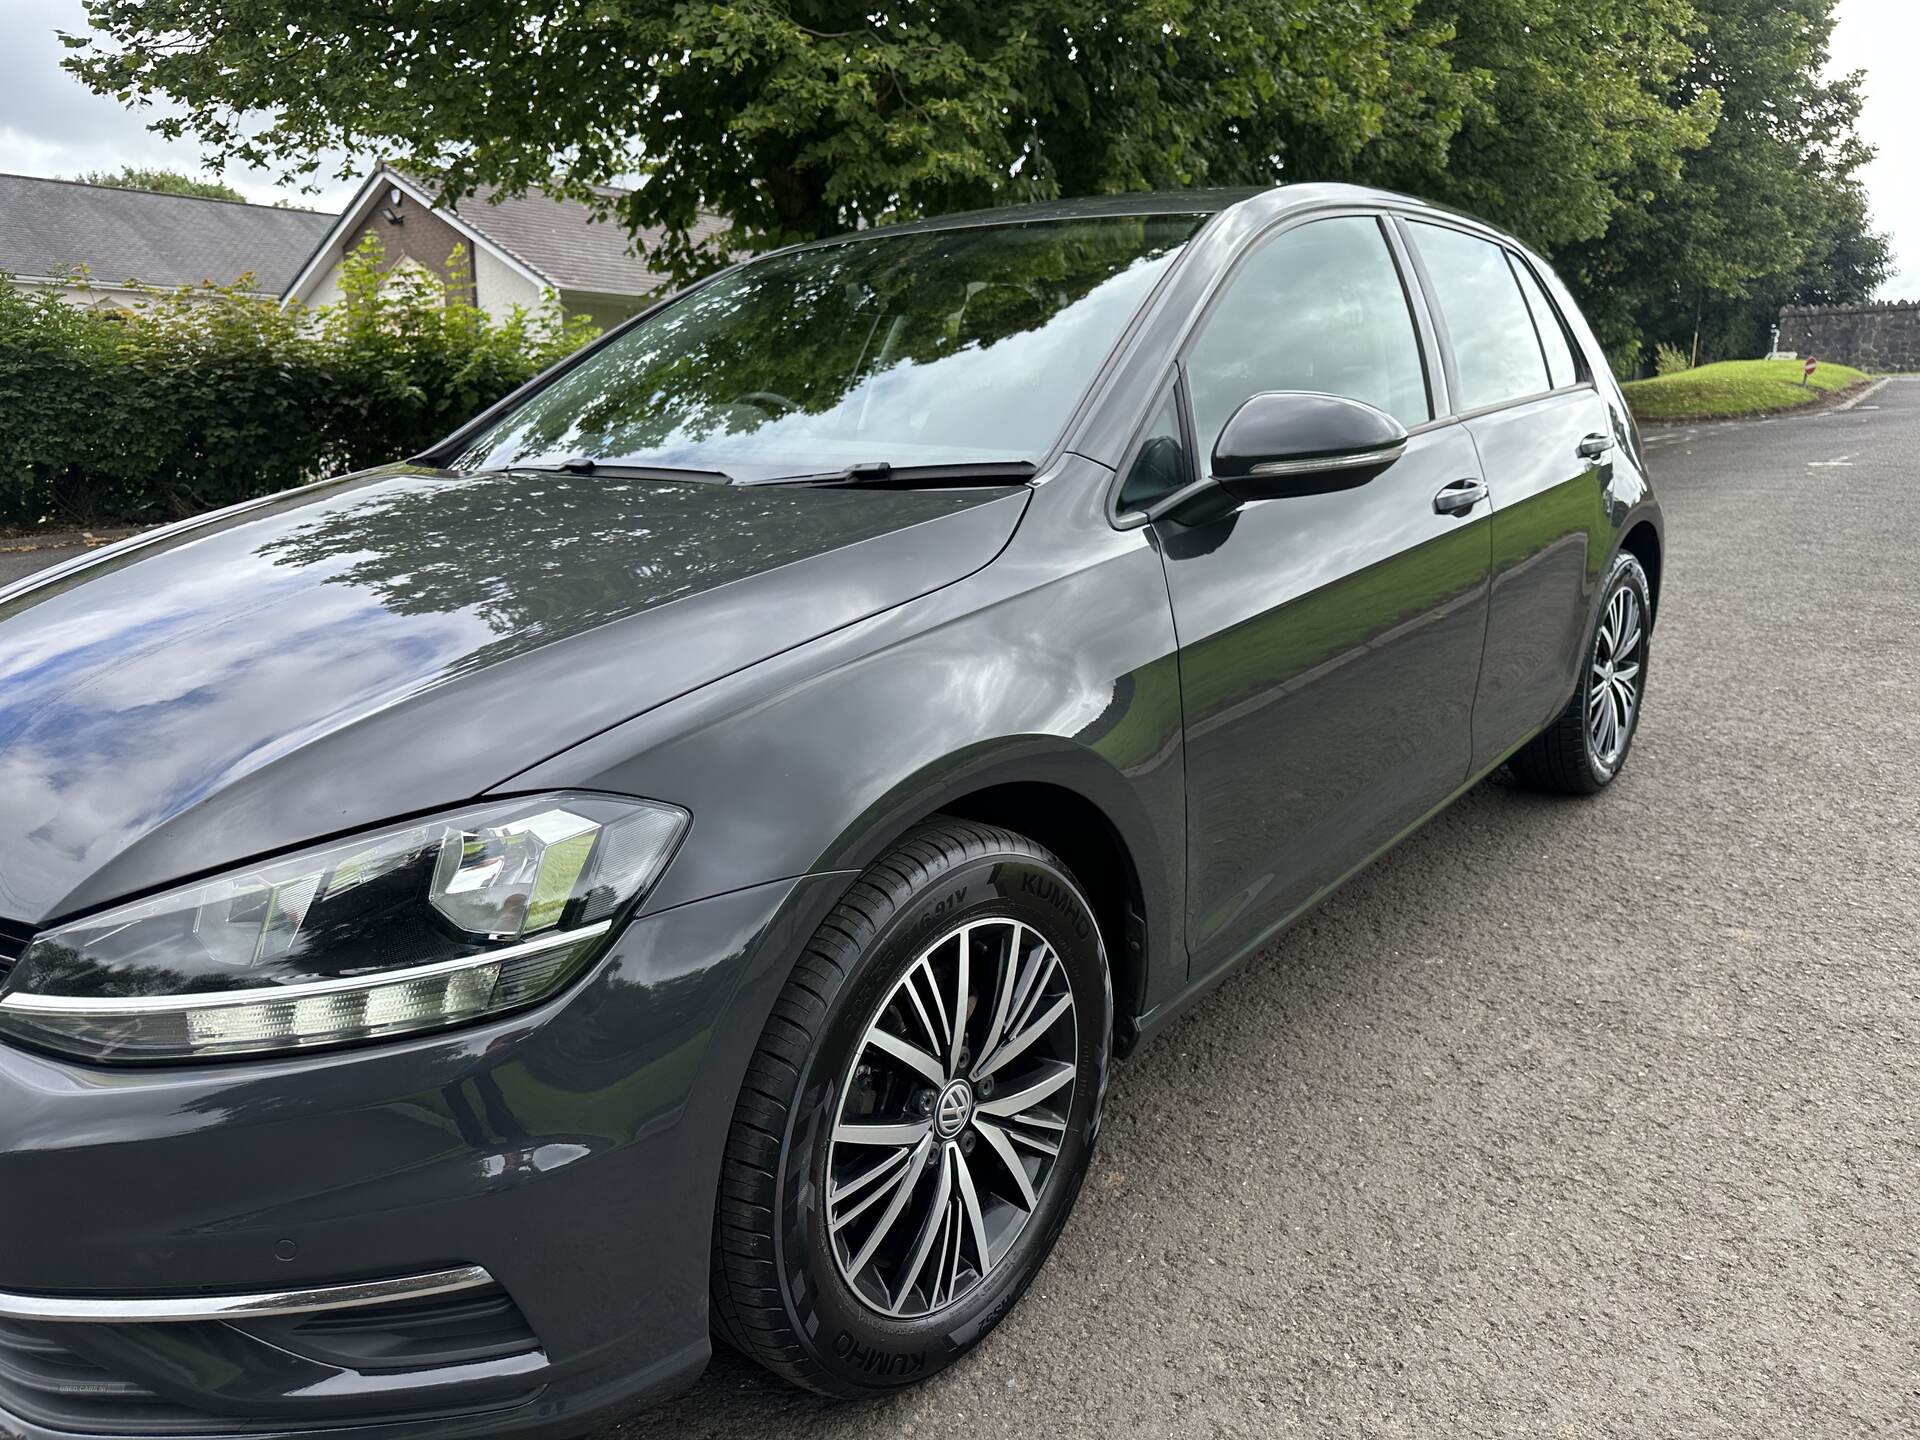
(1581, 1118)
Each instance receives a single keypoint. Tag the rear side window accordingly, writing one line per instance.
(1561, 369)
(1495, 349)
(1319, 308)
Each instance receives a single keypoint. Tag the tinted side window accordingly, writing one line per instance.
(1160, 465)
(1561, 369)
(1318, 308)
(1495, 349)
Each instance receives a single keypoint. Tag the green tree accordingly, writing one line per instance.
(165, 182)
(1768, 212)
(1570, 100)
(793, 119)
(1683, 161)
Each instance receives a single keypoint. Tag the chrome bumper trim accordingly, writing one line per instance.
(182, 1309)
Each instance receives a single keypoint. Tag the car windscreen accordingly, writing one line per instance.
(950, 346)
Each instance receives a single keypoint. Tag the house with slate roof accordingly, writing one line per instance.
(518, 248)
(93, 244)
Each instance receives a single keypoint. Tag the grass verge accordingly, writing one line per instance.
(1735, 387)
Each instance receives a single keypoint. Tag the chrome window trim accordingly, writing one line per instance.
(232, 999)
(186, 1309)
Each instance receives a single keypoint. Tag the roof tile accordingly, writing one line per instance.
(52, 227)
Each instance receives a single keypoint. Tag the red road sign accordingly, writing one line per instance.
(1811, 362)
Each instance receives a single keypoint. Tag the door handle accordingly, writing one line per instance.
(1459, 497)
(1594, 446)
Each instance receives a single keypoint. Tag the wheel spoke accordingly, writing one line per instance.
(934, 1035)
(838, 1220)
(1019, 1044)
(1014, 1102)
(901, 1193)
(938, 1214)
(839, 1193)
(976, 1217)
(881, 1132)
(908, 1054)
(945, 1034)
(1003, 992)
(1003, 1147)
(961, 990)
(1045, 1143)
(1628, 631)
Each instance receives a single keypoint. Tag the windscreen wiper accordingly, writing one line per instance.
(910, 477)
(618, 470)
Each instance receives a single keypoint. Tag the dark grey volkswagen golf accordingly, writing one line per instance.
(681, 856)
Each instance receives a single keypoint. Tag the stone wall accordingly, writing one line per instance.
(1867, 337)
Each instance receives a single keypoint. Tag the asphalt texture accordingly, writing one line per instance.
(1569, 1118)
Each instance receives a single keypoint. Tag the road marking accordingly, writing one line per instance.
(1844, 462)
(1866, 394)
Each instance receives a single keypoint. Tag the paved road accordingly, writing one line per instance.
(1568, 1118)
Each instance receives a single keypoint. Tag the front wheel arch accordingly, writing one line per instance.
(1070, 800)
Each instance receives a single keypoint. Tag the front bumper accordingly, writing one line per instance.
(564, 1161)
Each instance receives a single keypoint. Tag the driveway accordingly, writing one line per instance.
(1572, 1118)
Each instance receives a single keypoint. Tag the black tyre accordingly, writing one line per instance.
(893, 1182)
(1582, 750)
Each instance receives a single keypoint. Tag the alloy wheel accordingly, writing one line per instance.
(1613, 688)
(952, 1114)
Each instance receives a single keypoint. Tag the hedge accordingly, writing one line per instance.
(205, 396)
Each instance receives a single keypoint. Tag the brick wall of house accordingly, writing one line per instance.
(421, 236)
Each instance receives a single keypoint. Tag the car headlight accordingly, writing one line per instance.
(410, 928)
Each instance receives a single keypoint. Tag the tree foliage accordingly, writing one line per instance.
(163, 182)
(1682, 159)
(206, 395)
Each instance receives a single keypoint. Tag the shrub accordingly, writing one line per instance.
(205, 396)
(1670, 360)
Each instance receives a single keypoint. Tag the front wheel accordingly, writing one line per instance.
(918, 1117)
(1585, 747)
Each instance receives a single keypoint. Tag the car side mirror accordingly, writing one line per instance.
(1285, 443)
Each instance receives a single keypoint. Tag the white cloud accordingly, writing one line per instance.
(51, 124)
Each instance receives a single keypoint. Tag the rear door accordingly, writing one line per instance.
(1544, 438)
(1329, 644)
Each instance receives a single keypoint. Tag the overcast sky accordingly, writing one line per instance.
(52, 125)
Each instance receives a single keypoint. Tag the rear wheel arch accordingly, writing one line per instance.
(1642, 541)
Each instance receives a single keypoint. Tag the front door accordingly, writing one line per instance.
(1329, 644)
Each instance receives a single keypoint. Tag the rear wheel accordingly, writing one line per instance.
(1584, 748)
(918, 1116)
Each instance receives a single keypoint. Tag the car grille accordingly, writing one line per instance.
(13, 944)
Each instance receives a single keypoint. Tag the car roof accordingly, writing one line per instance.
(1271, 200)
